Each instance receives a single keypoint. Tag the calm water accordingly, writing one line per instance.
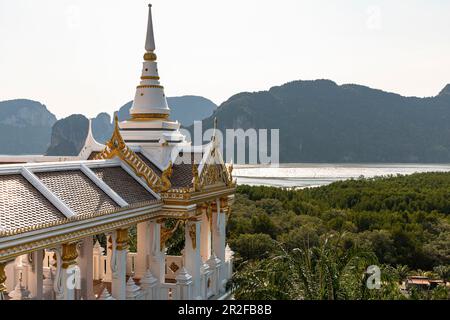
(313, 175)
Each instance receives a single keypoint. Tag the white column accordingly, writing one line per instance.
(143, 249)
(218, 235)
(205, 235)
(69, 272)
(193, 260)
(49, 276)
(107, 277)
(157, 257)
(119, 263)
(36, 275)
(85, 262)
(119, 278)
(218, 231)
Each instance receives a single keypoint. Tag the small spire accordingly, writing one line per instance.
(213, 137)
(133, 291)
(150, 41)
(105, 295)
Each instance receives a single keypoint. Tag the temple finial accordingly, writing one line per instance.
(116, 121)
(150, 41)
(213, 138)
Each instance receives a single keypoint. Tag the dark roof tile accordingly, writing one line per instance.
(123, 184)
(21, 205)
(182, 175)
(77, 191)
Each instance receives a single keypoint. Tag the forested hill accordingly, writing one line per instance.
(25, 127)
(404, 220)
(320, 121)
(318, 243)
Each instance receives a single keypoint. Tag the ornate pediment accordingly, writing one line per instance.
(116, 147)
(213, 173)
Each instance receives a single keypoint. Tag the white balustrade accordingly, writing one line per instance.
(213, 274)
(133, 291)
(206, 288)
(149, 286)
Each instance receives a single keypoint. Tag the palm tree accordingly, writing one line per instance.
(402, 272)
(262, 280)
(322, 272)
(443, 272)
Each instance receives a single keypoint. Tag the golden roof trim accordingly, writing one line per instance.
(11, 252)
(150, 56)
(116, 147)
(154, 86)
(79, 217)
(150, 78)
(148, 116)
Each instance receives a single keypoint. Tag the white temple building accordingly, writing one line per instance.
(148, 177)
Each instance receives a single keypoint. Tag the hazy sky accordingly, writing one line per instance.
(85, 56)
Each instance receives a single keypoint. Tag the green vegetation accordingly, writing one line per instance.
(316, 243)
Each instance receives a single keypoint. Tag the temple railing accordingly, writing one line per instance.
(213, 275)
(207, 277)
